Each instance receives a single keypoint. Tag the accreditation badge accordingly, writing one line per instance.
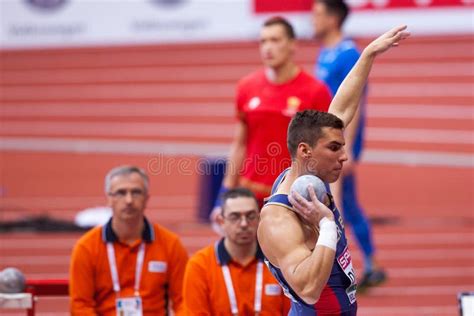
(129, 306)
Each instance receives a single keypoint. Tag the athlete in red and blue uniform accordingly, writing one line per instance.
(338, 296)
(304, 240)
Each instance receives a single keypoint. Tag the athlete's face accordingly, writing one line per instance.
(323, 21)
(239, 220)
(327, 155)
(276, 48)
(127, 196)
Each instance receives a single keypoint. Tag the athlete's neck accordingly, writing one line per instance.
(332, 38)
(282, 74)
(128, 231)
(298, 168)
(243, 254)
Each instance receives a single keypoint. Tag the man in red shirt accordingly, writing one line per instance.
(266, 101)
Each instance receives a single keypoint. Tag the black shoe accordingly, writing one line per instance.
(371, 278)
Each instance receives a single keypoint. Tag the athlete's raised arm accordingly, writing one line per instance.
(347, 98)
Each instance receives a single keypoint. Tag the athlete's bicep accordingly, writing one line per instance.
(282, 240)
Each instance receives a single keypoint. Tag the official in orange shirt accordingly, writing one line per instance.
(230, 277)
(129, 266)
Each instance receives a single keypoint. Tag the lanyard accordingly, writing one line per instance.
(231, 293)
(113, 267)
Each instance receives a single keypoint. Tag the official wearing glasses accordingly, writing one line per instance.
(229, 277)
(129, 266)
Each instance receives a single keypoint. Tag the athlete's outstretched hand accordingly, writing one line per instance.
(387, 40)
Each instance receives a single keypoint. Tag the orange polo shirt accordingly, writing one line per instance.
(205, 291)
(91, 288)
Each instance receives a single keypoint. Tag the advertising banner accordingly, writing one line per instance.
(65, 23)
(265, 6)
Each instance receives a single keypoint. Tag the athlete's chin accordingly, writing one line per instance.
(333, 177)
(272, 63)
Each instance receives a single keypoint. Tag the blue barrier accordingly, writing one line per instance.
(211, 172)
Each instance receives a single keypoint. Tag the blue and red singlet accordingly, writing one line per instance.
(338, 296)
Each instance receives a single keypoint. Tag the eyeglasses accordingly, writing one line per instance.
(122, 193)
(236, 218)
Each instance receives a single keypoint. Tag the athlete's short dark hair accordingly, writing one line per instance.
(338, 8)
(278, 20)
(306, 127)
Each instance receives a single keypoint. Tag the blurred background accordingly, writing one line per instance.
(88, 85)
